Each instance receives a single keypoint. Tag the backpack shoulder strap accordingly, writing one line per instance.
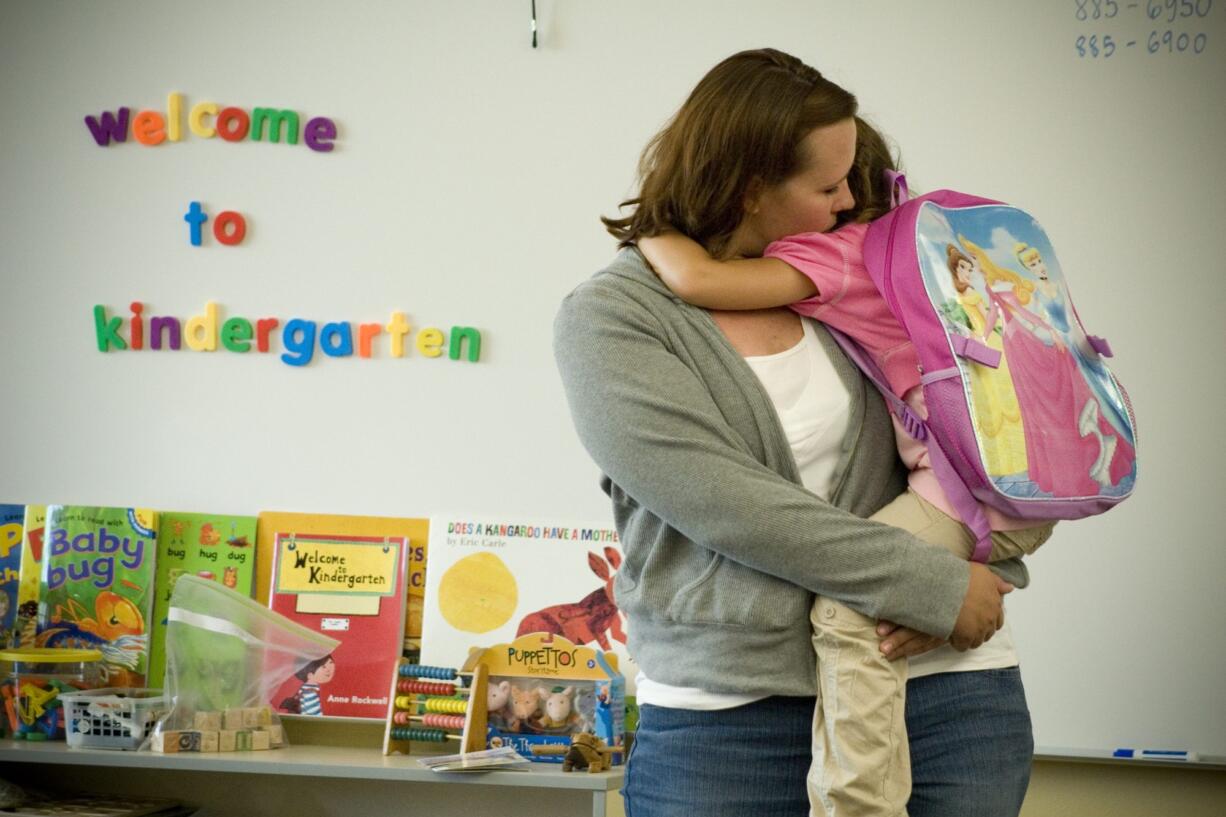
(959, 495)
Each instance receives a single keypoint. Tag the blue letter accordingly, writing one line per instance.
(298, 349)
(195, 217)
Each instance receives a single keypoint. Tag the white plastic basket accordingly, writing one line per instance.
(112, 718)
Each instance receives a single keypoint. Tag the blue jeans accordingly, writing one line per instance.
(971, 749)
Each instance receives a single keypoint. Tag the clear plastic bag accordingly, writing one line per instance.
(225, 656)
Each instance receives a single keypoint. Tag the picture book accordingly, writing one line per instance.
(96, 589)
(217, 547)
(350, 588)
(12, 519)
(416, 530)
(491, 580)
(25, 627)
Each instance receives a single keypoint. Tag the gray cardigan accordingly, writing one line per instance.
(724, 549)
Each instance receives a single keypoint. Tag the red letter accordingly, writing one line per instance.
(232, 124)
(263, 326)
(221, 226)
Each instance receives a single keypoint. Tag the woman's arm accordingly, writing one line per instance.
(694, 276)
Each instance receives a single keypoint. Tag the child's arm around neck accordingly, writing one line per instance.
(694, 276)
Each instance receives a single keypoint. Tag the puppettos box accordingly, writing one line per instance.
(543, 689)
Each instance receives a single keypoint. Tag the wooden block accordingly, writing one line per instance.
(260, 740)
(276, 735)
(209, 741)
(165, 742)
(264, 716)
(251, 718)
(232, 719)
(242, 740)
(208, 721)
(226, 741)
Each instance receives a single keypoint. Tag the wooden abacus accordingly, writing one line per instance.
(435, 705)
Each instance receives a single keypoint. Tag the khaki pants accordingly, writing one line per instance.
(861, 760)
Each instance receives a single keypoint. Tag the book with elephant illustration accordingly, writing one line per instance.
(217, 547)
(490, 580)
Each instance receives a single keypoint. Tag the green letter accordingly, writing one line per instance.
(458, 334)
(236, 334)
(275, 120)
(107, 331)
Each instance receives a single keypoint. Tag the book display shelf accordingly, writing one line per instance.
(328, 769)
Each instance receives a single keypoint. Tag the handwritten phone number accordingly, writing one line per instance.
(1095, 47)
(1172, 10)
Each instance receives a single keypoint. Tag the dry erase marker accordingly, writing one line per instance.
(1156, 754)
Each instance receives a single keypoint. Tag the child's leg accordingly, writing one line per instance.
(861, 761)
(914, 514)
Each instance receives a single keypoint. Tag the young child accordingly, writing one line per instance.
(861, 756)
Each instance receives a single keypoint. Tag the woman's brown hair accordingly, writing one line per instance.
(744, 124)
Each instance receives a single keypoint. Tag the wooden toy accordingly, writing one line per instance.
(231, 730)
(436, 710)
(586, 751)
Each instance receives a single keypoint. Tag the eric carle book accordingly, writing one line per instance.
(11, 520)
(351, 588)
(97, 585)
(490, 580)
(217, 547)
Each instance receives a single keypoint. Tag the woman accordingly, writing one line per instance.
(730, 519)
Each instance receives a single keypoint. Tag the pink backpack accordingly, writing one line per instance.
(1023, 413)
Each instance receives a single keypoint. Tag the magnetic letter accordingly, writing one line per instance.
(149, 128)
(236, 334)
(111, 127)
(232, 124)
(430, 342)
(320, 132)
(195, 120)
(195, 217)
(336, 339)
(223, 222)
(107, 330)
(201, 330)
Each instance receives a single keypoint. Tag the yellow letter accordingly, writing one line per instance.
(194, 119)
(200, 333)
(430, 342)
(397, 329)
(174, 127)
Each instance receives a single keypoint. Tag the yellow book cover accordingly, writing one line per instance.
(33, 532)
(417, 531)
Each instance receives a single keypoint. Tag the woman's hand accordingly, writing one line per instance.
(983, 612)
(903, 642)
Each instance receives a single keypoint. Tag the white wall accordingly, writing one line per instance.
(464, 189)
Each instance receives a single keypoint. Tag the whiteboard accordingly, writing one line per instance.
(468, 173)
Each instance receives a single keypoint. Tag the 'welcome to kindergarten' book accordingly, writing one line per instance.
(351, 588)
(97, 585)
(212, 546)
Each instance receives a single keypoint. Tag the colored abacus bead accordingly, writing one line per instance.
(425, 687)
(443, 721)
(419, 671)
(446, 705)
(425, 735)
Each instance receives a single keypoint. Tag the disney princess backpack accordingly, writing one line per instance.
(1024, 414)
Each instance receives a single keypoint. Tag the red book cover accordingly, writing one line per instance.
(351, 588)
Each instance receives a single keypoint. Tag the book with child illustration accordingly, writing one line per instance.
(415, 529)
(217, 547)
(96, 588)
(350, 588)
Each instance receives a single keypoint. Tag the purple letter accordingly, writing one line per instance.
(109, 128)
